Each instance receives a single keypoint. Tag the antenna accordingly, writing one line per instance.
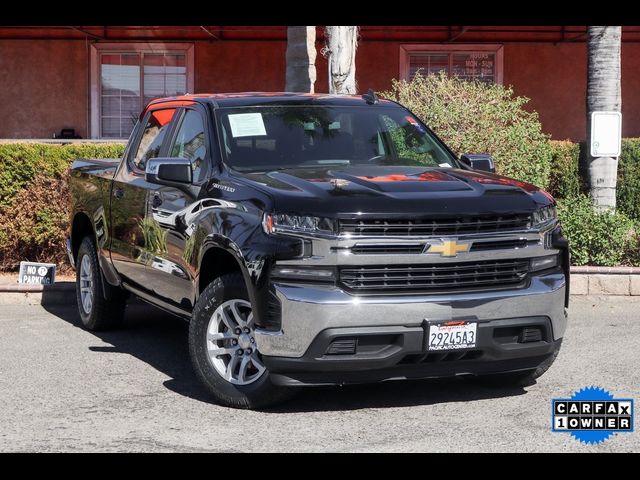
(370, 97)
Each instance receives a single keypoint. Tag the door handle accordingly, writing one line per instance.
(157, 200)
(118, 193)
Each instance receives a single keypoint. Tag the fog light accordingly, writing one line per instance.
(544, 263)
(317, 274)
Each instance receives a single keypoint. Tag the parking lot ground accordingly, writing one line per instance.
(66, 389)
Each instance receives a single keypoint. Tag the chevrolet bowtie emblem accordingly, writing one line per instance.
(449, 248)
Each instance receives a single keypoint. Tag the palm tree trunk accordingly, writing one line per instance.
(341, 45)
(301, 59)
(603, 94)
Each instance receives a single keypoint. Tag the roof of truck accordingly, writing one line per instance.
(248, 99)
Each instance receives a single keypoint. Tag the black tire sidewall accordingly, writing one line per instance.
(259, 393)
(87, 249)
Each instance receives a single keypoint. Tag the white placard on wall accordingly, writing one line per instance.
(606, 133)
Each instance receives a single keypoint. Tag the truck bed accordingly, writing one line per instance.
(90, 184)
(99, 167)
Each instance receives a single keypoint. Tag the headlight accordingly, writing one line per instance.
(543, 215)
(274, 223)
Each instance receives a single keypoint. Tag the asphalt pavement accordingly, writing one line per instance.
(66, 389)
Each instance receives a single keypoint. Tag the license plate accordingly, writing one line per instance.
(452, 335)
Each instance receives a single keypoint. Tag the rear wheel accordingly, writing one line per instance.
(223, 347)
(96, 312)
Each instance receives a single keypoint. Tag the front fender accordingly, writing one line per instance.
(240, 234)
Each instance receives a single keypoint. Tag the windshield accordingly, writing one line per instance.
(282, 137)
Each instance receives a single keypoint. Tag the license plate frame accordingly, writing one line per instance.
(464, 334)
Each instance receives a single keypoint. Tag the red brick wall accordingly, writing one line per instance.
(44, 84)
(554, 78)
(238, 66)
(43, 87)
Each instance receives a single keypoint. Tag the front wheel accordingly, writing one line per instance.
(223, 347)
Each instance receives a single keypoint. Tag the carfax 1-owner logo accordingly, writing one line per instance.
(592, 415)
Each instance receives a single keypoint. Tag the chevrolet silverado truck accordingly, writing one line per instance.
(319, 240)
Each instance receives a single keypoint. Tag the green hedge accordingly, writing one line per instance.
(21, 162)
(34, 202)
(564, 181)
(598, 238)
(34, 198)
(628, 188)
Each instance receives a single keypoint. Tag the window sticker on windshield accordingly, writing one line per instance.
(444, 165)
(334, 126)
(309, 126)
(246, 125)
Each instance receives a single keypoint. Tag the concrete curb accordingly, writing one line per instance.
(623, 281)
(63, 293)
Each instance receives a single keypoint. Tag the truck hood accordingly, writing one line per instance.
(345, 191)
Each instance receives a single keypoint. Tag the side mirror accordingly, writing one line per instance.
(169, 171)
(480, 161)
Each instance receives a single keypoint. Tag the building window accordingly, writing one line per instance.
(125, 77)
(469, 62)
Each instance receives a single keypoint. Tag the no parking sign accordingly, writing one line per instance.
(37, 273)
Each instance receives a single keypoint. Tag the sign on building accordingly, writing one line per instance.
(37, 273)
(606, 134)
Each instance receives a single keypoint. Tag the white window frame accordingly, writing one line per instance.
(408, 49)
(98, 49)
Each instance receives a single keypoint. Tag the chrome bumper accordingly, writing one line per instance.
(308, 310)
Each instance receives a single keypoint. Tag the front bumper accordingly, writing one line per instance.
(310, 314)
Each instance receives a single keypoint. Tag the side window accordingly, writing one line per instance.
(152, 137)
(190, 142)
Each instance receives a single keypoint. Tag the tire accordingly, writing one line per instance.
(524, 378)
(97, 313)
(237, 377)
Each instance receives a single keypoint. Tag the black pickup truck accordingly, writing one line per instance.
(317, 239)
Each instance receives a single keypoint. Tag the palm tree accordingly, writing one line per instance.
(603, 94)
(341, 45)
(301, 59)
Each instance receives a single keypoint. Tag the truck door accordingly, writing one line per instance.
(172, 271)
(135, 239)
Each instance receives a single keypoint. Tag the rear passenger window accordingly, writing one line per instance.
(153, 136)
(190, 142)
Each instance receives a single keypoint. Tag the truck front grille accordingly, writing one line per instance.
(435, 226)
(434, 278)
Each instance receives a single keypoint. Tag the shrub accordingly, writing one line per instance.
(475, 117)
(34, 198)
(598, 238)
(628, 188)
(19, 162)
(564, 181)
(34, 226)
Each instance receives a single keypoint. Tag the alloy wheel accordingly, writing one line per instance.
(86, 285)
(231, 343)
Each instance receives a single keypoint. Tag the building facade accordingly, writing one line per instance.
(95, 80)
